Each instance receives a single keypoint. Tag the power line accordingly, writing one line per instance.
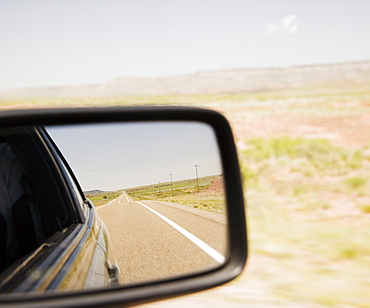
(196, 173)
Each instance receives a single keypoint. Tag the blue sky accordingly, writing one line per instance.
(118, 156)
(74, 42)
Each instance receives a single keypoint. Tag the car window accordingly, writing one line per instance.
(33, 206)
(23, 228)
(11, 173)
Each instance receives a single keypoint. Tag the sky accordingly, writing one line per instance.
(78, 42)
(125, 155)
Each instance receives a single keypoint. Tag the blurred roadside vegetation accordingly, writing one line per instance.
(309, 215)
(325, 93)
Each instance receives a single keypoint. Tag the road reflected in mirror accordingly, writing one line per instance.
(158, 189)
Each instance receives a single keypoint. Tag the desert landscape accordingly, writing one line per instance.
(304, 148)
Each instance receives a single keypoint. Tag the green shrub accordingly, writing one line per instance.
(319, 153)
(365, 208)
(355, 182)
(316, 205)
(248, 175)
(348, 252)
(355, 161)
(315, 154)
(299, 190)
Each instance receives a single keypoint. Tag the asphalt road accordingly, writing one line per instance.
(154, 240)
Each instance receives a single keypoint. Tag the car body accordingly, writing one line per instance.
(63, 243)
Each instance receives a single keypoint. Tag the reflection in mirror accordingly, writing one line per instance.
(158, 205)
(158, 187)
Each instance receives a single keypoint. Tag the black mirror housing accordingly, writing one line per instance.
(146, 292)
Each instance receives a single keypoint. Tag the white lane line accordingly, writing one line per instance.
(202, 245)
(110, 202)
(101, 206)
(128, 200)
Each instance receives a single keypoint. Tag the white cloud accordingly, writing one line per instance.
(287, 25)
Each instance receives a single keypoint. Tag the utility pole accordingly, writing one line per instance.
(171, 180)
(196, 173)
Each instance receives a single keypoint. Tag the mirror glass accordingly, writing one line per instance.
(158, 202)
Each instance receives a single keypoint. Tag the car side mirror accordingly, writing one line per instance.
(100, 186)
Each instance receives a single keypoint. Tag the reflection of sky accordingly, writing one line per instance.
(118, 156)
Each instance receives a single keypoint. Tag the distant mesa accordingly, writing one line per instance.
(94, 192)
(213, 82)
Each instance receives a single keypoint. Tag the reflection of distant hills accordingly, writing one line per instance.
(93, 192)
(222, 81)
